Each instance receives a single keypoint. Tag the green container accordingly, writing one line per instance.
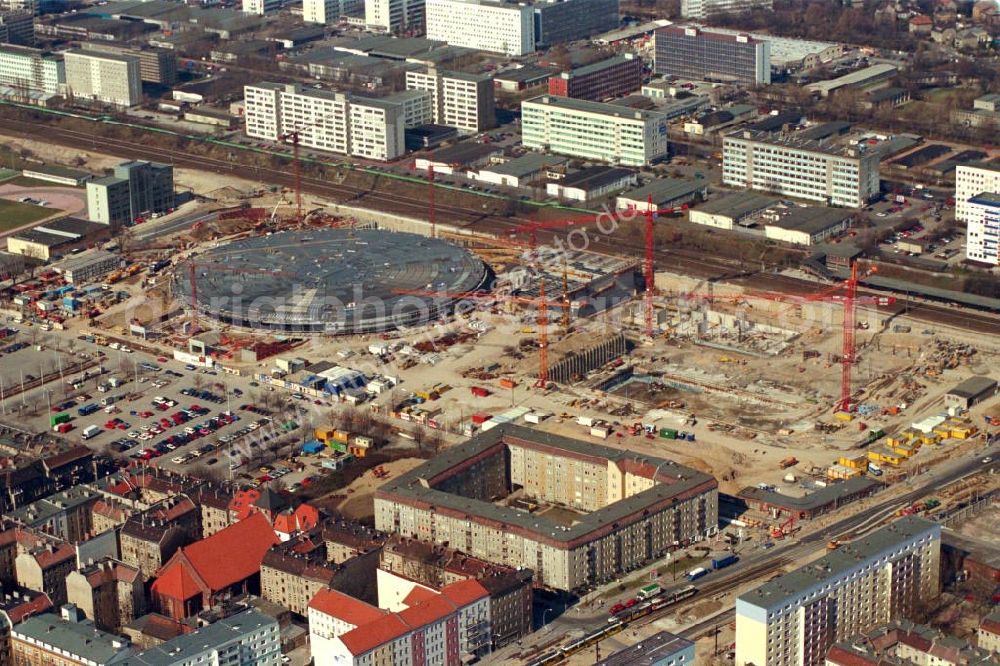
(339, 446)
(57, 419)
(668, 433)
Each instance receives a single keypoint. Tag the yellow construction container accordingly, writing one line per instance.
(325, 434)
(843, 472)
(885, 456)
(929, 439)
(904, 451)
(943, 431)
(963, 432)
(857, 462)
(843, 416)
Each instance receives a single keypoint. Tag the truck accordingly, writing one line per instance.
(874, 469)
(697, 573)
(63, 428)
(479, 391)
(790, 461)
(56, 419)
(649, 591)
(723, 562)
(87, 410)
(90, 431)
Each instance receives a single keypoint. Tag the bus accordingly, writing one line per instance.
(649, 592)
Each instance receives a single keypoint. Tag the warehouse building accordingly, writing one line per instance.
(704, 55)
(459, 158)
(591, 130)
(626, 510)
(971, 392)
(805, 226)
(833, 173)
(731, 211)
(664, 192)
(517, 172)
(591, 183)
(53, 173)
(794, 619)
(44, 240)
(864, 79)
(603, 80)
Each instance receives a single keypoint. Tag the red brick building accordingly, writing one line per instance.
(599, 81)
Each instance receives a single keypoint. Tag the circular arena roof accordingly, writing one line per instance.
(329, 281)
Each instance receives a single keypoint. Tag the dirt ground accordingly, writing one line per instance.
(360, 503)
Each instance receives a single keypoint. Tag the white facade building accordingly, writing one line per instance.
(971, 180)
(698, 9)
(261, 104)
(795, 618)
(483, 25)
(463, 101)
(326, 12)
(27, 72)
(261, 7)
(983, 230)
(836, 175)
(593, 130)
(417, 105)
(320, 117)
(103, 77)
(395, 15)
(377, 129)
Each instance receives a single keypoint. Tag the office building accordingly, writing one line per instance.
(660, 649)
(629, 511)
(561, 21)
(592, 130)
(247, 638)
(484, 25)
(835, 174)
(28, 74)
(979, 217)
(67, 639)
(262, 7)
(332, 121)
(17, 27)
(157, 66)
(417, 107)
(395, 16)
(699, 9)
(793, 619)
(606, 79)
(433, 628)
(136, 189)
(463, 101)
(326, 12)
(103, 77)
(690, 52)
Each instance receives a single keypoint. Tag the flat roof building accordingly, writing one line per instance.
(484, 25)
(793, 619)
(158, 66)
(614, 496)
(591, 183)
(865, 79)
(805, 226)
(731, 210)
(698, 9)
(518, 171)
(665, 193)
(463, 101)
(103, 77)
(53, 173)
(30, 75)
(87, 266)
(971, 392)
(591, 130)
(706, 55)
(64, 639)
(599, 81)
(248, 638)
(660, 649)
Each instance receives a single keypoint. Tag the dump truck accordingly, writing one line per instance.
(790, 461)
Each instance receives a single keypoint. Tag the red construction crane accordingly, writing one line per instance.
(295, 137)
(430, 197)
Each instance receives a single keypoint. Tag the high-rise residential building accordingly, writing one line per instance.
(972, 180)
(27, 73)
(463, 101)
(699, 9)
(793, 619)
(262, 7)
(326, 12)
(30, 6)
(983, 227)
(601, 80)
(693, 53)
(592, 130)
(837, 175)
(396, 16)
(332, 121)
(484, 25)
(157, 66)
(17, 27)
(103, 77)
(135, 189)
(560, 21)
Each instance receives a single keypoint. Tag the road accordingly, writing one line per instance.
(159, 228)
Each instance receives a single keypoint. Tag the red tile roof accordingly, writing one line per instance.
(177, 583)
(464, 592)
(418, 594)
(374, 634)
(921, 20)
(57, 555)
(427, 612)
(990, 625)
(844, 657)
(37, 605)
(346, 608)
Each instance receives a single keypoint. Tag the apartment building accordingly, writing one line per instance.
(606, 79)
(65, 515)
(463, 101)
(592, 130)
(325, 12)
(331, 121)
(30, 74)
(103, 77)
(983, 228)
(17, 27)
(262, 7)
(157, 66)
(484, 25)
(395, 16)
(835, 174)
(417, 106)
(109, 593)
(137, 188)
(148, 540)
(905, 642)
(561, 21)
(699, 9)
(43, 567)
(693, 53)
(793, 619)
(67, 639)
(246, 638)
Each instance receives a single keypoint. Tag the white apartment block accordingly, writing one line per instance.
(483, 25)
(417, 105)
(326, 12)
(699, 9)
(592, 130)
(836, 175)
(103, 77)
(983, 230)
(463, 101)
(261, 7)
(795, 618)
(28, 72)
(395, 16)
(332, 121)
(971, 180)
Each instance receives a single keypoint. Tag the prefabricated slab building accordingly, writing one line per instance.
(333, 281)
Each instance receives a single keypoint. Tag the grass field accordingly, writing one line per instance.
(14, 214)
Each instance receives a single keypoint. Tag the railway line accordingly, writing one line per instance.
(692, 263)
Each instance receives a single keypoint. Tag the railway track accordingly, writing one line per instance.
(688, 262)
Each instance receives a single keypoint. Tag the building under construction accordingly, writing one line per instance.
(570, 359)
